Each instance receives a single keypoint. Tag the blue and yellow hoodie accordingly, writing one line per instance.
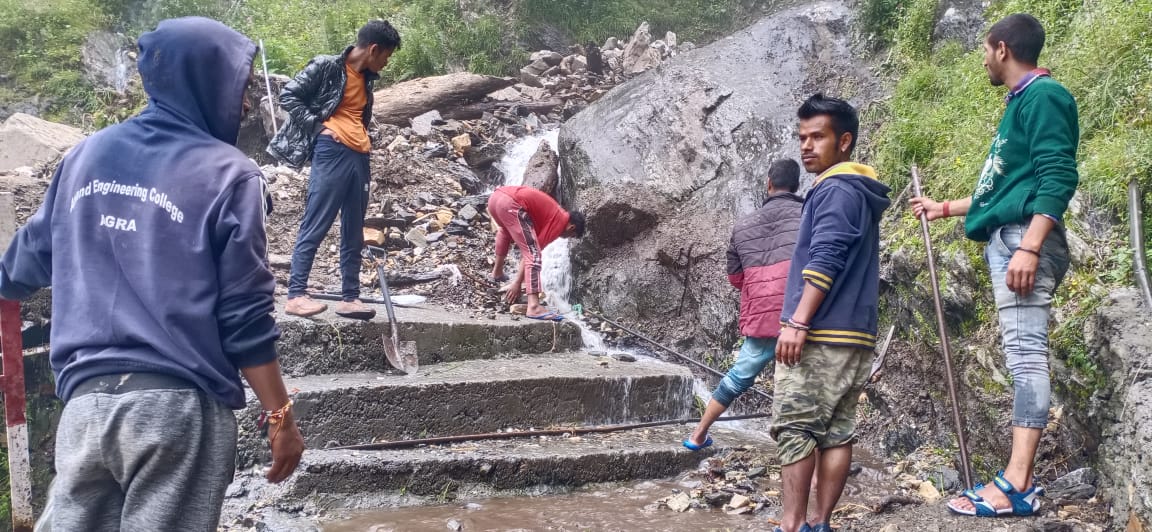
(838, 251)
(152, 231)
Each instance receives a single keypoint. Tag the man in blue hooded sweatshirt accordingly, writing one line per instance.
(152, 237)
(824, 353)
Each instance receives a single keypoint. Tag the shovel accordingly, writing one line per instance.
(401, 356)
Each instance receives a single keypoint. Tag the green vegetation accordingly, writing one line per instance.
(595, 20)
(439, 36)
(943, 114)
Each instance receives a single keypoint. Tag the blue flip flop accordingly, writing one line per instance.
(693, 447)
(547, 316)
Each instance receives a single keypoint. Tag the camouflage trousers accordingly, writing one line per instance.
(814, 403)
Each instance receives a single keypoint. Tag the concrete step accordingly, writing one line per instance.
(568, 389)
(330, 344)
(331, 480)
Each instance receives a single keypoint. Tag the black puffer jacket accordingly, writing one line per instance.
(311, 98)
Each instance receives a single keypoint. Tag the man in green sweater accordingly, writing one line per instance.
(1018, 209)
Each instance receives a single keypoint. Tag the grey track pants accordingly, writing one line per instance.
(141, 460)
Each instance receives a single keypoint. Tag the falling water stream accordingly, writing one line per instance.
(556, 275)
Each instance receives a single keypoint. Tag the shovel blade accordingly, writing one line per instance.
(401, 355)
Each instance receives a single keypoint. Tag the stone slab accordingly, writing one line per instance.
(332, 480)
(329, 344)
(569, 389)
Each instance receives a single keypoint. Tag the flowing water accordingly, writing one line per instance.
(626, 508)
(556, 275)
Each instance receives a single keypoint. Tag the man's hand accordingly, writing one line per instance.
(1021, 276)
(287, 445)
(790, 345)
(925, 204)
(284, 438)
(513, 293)
(513, 288)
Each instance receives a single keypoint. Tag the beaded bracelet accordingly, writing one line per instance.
(275, 417)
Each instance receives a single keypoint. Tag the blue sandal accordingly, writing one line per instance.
(1024, 503)
(547, 316)
(693, 447)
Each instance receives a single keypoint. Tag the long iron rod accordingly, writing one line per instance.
(700, 365)
(1136, 222)
(575, 431)
(957, 417)
(268, 87)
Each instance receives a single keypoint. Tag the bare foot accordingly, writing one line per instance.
(991, 494)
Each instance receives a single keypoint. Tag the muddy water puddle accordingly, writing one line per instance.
(631, 507)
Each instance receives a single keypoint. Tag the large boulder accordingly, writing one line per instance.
(29, 141)
(664, 163)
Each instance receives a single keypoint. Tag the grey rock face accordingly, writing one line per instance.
(665, 162)
(1120, 340)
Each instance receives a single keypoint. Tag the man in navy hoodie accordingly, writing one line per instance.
(824, 353)
(152, 237)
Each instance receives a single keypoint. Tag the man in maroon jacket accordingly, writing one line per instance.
(758, 259)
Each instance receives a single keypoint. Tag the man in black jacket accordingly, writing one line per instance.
(329, 106)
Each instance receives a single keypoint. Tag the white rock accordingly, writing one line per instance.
(681, 502)
(28, 141)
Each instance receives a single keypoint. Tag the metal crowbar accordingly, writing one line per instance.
(957, 417)
(401, 355)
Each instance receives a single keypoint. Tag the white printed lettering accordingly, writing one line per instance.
(117, 223)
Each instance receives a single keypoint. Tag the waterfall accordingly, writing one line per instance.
(557, 271)
(121, 77)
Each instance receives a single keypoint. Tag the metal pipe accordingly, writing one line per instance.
(268, 86)
(1136, 222)
(700, 365)
(957, 417)
(404, 444)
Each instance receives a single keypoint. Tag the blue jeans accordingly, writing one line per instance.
(338, 183)
(1024, 319)
(754, 356)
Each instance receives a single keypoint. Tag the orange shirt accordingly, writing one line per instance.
(347, 122)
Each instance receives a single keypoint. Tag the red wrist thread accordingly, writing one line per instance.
(947, 211)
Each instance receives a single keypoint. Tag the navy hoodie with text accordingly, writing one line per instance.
(838, 251)
(152, 231)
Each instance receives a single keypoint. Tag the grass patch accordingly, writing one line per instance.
(944, 113)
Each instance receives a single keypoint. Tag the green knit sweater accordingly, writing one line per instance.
(1031, 167)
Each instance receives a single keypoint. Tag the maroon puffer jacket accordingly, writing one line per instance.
(758, 260)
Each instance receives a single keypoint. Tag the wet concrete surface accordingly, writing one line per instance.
(404, 477)
(569, 389)
(327, 343)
